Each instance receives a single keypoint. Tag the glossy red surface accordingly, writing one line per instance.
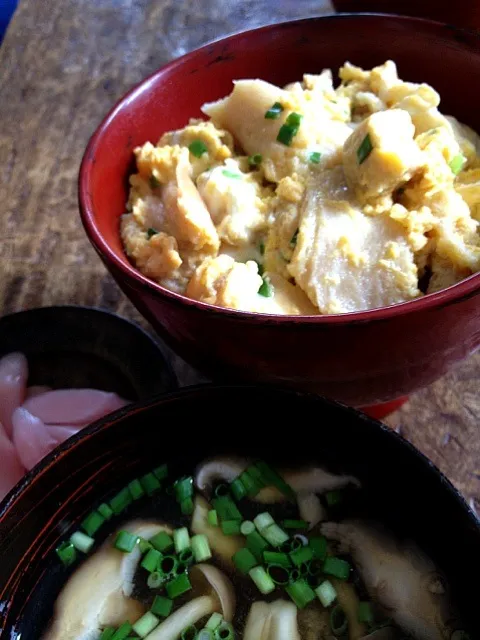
(360, 358)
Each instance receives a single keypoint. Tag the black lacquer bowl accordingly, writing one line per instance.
(402, 488)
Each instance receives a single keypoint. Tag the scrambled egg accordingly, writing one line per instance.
(310, 199)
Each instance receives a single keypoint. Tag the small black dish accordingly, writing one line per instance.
(72, 347)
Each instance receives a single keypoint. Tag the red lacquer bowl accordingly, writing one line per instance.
(359, 358)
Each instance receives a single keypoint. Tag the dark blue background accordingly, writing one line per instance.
(7, 7)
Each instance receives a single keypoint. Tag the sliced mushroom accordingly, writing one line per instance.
(225, 546)
(274, 621)
(398, 577)
(215, 593)
(97, 594)
(310, 508)
(218, 470)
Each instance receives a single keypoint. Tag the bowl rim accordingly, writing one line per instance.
(463, 290)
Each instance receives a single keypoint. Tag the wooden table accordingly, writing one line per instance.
(63, 63)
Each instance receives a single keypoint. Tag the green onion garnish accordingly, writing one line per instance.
(155, 580)
(107, 633)
(274, 112)
(161, 541)
(92, 523)
(326, 593)
(256, 475)
(257, 544)
(224, 632)
(336, 567)
(264, 582)
(271, 477)
(294, 120)
(365, 149)
(105, 511)
(82, 542)
(168, 565)
(125, 541)
(315, 157)
(144, 545)
(154, 182)
(260, 268)
(204, 634)
(212, 518)
(197, 148)
(263, 520)
(266, 288)
(184, 488)
(365, 612)
(190, 633)
(231, 174)
(201, 548)
(123, 631)
(67, 553)
(161, 472)
(301, 525)
(338, 621)
(247, 527)
(178, 586)
(255, 160)
(261, 247)
(286, 134)
(186, 507)
(136, 489)
(144, 625)
(319, 547)
(252, 487)
(181, 539)
(231, 527)
(214, 621)
(302, 555)
(457, 163)
(150, 483)
(150, 560)
(121, 501)
(244, 560)
(238, 488)
(226, 508)
(275, 535)
(301, 593)
(161, 606)
(278, 573)
(293, 240)
(277, 557)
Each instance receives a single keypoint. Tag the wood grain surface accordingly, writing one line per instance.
(62, 65)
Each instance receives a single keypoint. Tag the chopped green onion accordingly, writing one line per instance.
(252, 487)
(155, 580)
(263, 581)
(186, 507)
(197, 148)
(295, 524)
(294, 119)
(261, 247)
(294, 575)
(275, 535)
(204, 634)
(315, 567)
(181, 539)
(333, 498)
(107, 633)
(151, 560)
(291, 545)
(222, 490)
(224, 632)
(237, 487)
(167, 565)
(231, 174)
(314, 157)
(143, 545)
(255, 160)
(255, 473)
(278, 573)
(184, 488)
(154, 182)
(161, 606)
(144, 625)
(365, 612)
(67, 553)
(247, 527)
(263, 520)
(231, 527)
(151, 232)
(293, 241)
(105, 511)
(457, 163)
(274, 112)
(226, 508)
(302, 555)
(277, 557)
(212, 518)
(336, 567)
(81, 542)
(338, 621)
(272, 478)
(92, 523)
(161, 541)
(121, 501)
(266, 289)
(190, 633)
(136, 489)
(365, 149)
(125, 541)
(178, 586)
(214, 621)
(123, 631)
(257, 544)
(319, 547)
(186, 557)
(161, 472)
(244, 560)
(301, 593)
(150, 483)
(201, 548)
(326, 593)
(287, 134)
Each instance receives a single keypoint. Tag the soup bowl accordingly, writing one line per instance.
(55, 497)
(359, 358)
